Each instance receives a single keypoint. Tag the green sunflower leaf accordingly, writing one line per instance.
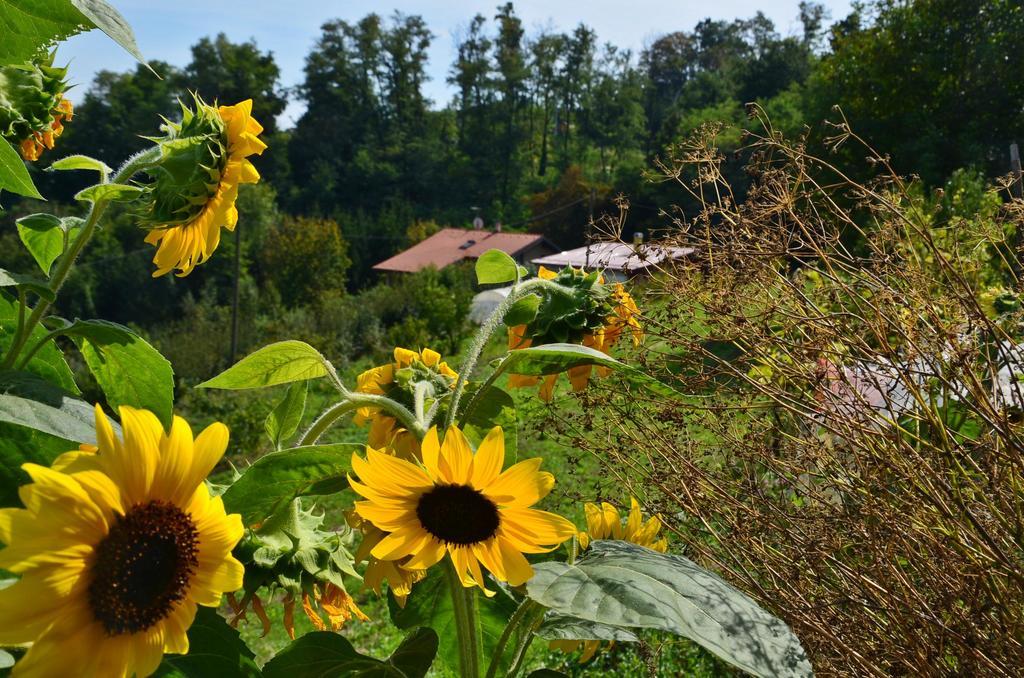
(31, 26)
(108, 192)
(47, 362)
(622, 584)
(26, 282)
(277, 478)
(214, 649)
(43, 237)
(494, 266)
(284, 419)
(561, 627)
(523, 310)
(66, 418)
(557, 358)
(321, 653)
(128, 369)
(81, 162)
(13, 173)
(280, 363)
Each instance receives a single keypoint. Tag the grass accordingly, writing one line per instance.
(579, 477)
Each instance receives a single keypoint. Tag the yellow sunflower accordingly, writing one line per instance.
(115, 547)
(602, 336)
(385, 431)
(605, 522)
(461, 504)
(190, 239)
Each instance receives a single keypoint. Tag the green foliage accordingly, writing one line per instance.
(44, 237)
(280, 363)
(285, 418)
(306, 259)
(622, 584)
(13, 175)
(214, 649)
(430, 604)
(494, 266)
(933, 83)
(275, 479)
(323, 653)
(126, 367)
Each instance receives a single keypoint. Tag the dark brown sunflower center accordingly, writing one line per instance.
(143, 567)
(457, 514)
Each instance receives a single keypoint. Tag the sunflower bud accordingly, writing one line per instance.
(32, 105)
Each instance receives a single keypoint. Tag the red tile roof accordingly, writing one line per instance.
(450, 245)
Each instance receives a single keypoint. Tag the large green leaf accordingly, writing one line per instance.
(69, 419)
(126, 367)
(430, 604)
(556, 358)
(327, 655)
(13, 173)
(487, 409)
(43, 237)
(284, 419)
(20, 445)
(47, 362)
(26, 282)
(561, 627)
(280, 363)
(104, 17)
(214, 649)
(276, 478)
(31, 26)
(622, 584)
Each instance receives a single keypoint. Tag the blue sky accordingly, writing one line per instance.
(165, 29)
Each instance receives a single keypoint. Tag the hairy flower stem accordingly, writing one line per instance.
(526, 610)
(466, 623)
(483, 335)
(354, 401)
(67, 261)
(529, 624)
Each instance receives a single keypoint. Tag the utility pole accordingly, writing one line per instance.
(1017, 191)
(590, 224)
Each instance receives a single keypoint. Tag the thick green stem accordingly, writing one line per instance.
(525, 611)
(529, 625)
(324, 422)
(354, 401)
(466, 623)
(483, 335)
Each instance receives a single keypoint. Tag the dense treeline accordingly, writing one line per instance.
(537, 122)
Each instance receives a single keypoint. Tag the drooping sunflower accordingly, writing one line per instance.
(459, 503)
(605, 522)
(595, 317)
(399, 579)
(193, 186)
(116, 546)
(32, 105)
(397, 380)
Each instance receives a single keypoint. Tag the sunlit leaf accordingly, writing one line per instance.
(280, 363)
(622, 584)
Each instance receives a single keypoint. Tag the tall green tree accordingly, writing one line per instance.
(231, 72)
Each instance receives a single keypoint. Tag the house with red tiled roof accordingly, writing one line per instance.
(452, 245)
